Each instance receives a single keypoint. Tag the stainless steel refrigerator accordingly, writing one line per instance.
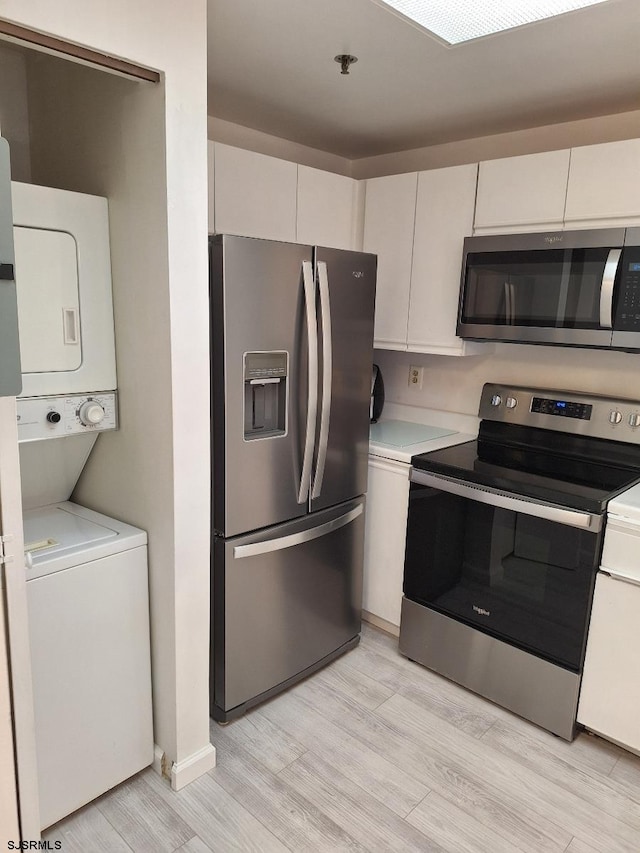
(291, 361)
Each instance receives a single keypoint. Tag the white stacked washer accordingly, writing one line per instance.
(87, 578)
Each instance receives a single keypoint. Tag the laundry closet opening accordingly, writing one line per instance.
(89, 188)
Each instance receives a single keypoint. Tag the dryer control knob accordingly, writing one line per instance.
(634, 420)
(54, 417)
(91, 413)
(511, 402)
(615, 417)
(496, 400)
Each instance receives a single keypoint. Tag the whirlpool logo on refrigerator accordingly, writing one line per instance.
(481, 611)
(357, 274)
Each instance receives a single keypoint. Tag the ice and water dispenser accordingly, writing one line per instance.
(265, 394)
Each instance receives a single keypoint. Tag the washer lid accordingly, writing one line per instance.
(52, 531)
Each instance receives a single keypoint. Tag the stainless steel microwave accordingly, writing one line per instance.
(570, 288)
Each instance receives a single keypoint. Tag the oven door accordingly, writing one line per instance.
(519, 570)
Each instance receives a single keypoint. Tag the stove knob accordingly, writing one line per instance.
(496, 400)
(511, 402)
(53, 417)
(615, 417)
(91, 413)
(634, 420)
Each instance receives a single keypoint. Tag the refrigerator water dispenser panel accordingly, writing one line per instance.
(265, 394)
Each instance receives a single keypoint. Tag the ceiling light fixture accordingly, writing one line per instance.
(455, 22)
(345, 60)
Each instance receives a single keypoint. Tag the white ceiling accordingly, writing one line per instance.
(271, 68)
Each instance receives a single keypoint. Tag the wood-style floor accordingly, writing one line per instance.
(376, 753)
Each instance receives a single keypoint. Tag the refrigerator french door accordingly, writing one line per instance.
(292, 343)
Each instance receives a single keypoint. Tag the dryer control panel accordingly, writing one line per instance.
(68, 414)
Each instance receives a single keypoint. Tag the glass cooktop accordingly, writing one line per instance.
(583, 473)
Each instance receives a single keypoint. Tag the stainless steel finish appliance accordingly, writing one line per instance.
(292, 346)
(573, 288)
(504, 537)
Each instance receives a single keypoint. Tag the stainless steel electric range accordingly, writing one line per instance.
(504, 537)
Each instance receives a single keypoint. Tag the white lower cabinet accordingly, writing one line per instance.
(610, 695)
(384, 542)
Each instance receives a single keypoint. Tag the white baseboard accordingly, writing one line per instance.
(186, 771)
(181, 773)
(378, 622)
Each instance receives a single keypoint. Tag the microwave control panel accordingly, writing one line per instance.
(628, 307)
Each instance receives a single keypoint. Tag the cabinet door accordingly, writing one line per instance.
(610, 693)
(327, 209)
(255, 195)
(384, 538)
(388, 232)
(522, 193)
(604, 184)
(444, 217)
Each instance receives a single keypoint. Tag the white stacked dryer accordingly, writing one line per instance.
(87, 578)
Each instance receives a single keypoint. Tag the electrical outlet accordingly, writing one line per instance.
(415, 377)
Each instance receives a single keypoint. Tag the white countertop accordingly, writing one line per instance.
(399, 439)
(627, 505)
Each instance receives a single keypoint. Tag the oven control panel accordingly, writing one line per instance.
(69, 414)
(563, 411)
(561, 408)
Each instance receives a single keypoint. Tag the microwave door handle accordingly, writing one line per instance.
(606, 288)
(312, 390)
(327, 373)
(508, 302)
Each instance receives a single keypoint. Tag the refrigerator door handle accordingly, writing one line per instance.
(327, 373)
(312, 393)
(282, 542)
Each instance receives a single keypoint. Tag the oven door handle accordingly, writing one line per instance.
(506, 500)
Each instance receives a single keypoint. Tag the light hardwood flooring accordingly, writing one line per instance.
(375, 753)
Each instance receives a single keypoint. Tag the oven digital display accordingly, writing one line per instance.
(562, 408)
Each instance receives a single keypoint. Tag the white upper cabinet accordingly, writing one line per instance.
(604, 185)
(524, 193)
(444, 217)
(327, 209)
(254, 195)
(389, 219)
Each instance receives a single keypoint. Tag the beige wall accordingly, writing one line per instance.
(14, 111)
(454, 384)
(548, 138)
(551, 137)
(274, 146)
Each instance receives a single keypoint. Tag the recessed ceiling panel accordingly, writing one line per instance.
(455, 21)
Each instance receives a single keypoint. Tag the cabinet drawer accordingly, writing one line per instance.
(621, 550)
